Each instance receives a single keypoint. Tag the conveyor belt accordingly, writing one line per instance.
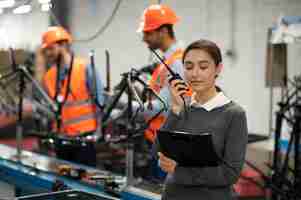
(41, 171)
(66, 195)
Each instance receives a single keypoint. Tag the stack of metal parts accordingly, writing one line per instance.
(8, 85)
(285, 181)
(8, 93)
(286, 178)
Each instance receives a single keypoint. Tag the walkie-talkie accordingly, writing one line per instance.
(172, 73)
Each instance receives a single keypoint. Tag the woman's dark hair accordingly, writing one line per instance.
(210, 47)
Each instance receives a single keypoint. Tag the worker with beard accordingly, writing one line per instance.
(71, 83)
(158, 33)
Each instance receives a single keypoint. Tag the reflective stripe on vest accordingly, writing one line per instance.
(79, 119)
(86, 102)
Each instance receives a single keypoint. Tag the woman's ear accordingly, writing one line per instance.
(219, 68)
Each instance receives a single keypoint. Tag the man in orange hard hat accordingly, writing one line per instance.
(77, 90)
(157, 28)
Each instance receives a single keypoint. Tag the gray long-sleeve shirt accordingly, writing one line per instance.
(229, 129)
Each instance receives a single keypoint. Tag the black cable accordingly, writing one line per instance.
(100, 31)
(57, 82)
(104, 27)
(58, 88)
(54, 18)
(69, 80)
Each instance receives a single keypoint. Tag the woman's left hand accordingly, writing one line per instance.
(166, 164)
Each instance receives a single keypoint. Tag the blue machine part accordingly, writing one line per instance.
(33, 174)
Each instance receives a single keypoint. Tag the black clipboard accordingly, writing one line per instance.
(189, 149)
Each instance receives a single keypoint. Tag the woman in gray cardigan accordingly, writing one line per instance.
(208, 110)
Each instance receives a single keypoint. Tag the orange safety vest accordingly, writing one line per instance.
(78, 114)
(157, 82)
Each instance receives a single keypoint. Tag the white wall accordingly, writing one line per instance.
(22, 31)
(242, 78)
(120, 38)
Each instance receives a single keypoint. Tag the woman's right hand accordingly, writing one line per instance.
(177, 89)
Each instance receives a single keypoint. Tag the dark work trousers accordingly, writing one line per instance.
(78, 153)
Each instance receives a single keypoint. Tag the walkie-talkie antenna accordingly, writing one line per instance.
(173, 74)
(163, 62)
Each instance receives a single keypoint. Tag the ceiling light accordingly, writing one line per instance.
(22, 9)
(7, 3)
(45, 7)
(44, 1)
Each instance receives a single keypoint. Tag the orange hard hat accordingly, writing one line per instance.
(155, 16)
(55, 34)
